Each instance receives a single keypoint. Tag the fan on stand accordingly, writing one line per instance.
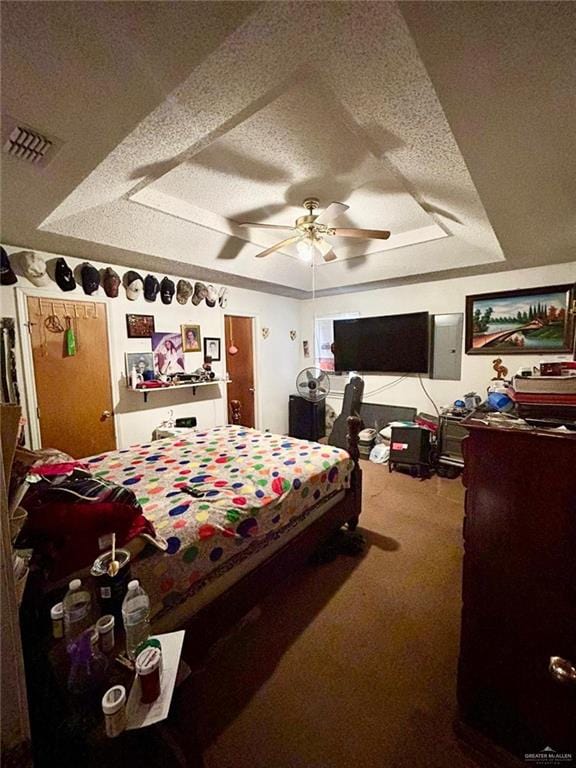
(313, 384)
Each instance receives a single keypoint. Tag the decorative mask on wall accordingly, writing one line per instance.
(265, 333)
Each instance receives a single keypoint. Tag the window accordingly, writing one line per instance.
(324, 337)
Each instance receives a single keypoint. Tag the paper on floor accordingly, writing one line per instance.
(139, 715)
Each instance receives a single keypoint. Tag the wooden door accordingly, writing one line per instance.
(73, 392)
(240, 367)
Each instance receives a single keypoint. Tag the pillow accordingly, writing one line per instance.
(386, 432)
(25, 459)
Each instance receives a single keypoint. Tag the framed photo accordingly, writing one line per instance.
(139, 326)
(167, 351)
(212, 349)
(521, 322)
(142, 361)
(191, 341)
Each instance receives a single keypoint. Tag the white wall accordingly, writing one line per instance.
(440, 297)
(277, 356)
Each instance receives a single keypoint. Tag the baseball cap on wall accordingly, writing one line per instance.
(7, 276)
(166, 290)
(184, 291)
(211, 296)
(63, 275)
(111, 282)
(134, 285)
(200, 293)
(151, 288)
(90, 279)
(34, 268)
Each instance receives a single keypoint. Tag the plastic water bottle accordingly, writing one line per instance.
(77, 615)
(136, 617)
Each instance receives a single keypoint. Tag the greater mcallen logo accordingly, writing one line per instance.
(548, 756)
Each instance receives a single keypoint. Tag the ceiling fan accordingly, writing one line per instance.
(310, 231)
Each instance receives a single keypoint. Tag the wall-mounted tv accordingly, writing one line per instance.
(388, 344)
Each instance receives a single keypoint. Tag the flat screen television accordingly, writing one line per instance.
(388, 344)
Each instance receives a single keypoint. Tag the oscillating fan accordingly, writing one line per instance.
(313, 384)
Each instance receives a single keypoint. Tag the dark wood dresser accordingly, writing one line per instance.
(519, 588)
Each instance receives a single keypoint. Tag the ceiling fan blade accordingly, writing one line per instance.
(279, 246)
(366, 234)
(332, 212)
(325, 249)
(253, 225)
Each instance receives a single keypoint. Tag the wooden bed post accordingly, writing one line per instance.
(235, 408)
(354, 426)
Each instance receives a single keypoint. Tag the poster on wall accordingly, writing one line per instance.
(531, 321)
(168, 355)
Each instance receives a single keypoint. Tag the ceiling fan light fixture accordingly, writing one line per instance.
(305, 248)
(309, 232)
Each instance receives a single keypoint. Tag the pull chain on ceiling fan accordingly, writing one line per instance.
(309, 232)
(313, 383)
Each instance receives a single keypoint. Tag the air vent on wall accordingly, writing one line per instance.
(26, 143)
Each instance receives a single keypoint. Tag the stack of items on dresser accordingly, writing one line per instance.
(549, 393)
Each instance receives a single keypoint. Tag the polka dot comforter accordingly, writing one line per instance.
(216, 495)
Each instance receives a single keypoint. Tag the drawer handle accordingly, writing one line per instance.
(561, 670)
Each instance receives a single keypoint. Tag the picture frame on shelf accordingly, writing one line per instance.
(142, 361)
(521, 322)
(191, 338)
(140, 326)
(213, 349)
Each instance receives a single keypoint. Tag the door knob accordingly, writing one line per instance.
(106, 415)
(561, 670)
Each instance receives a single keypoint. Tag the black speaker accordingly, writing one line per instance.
(307, 420)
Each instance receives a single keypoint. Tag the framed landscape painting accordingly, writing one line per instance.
(531, 321)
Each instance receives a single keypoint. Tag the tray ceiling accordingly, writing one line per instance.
(254, 109)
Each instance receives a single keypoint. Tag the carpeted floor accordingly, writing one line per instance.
(352, 663)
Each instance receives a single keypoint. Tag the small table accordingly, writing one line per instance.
(64, 733)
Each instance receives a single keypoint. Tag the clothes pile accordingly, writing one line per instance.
(71, 514)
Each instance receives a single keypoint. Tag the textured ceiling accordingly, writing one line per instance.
(451, 124)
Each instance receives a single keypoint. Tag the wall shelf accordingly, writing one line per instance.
(177, 387)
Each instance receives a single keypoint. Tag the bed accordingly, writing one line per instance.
(239, 510)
